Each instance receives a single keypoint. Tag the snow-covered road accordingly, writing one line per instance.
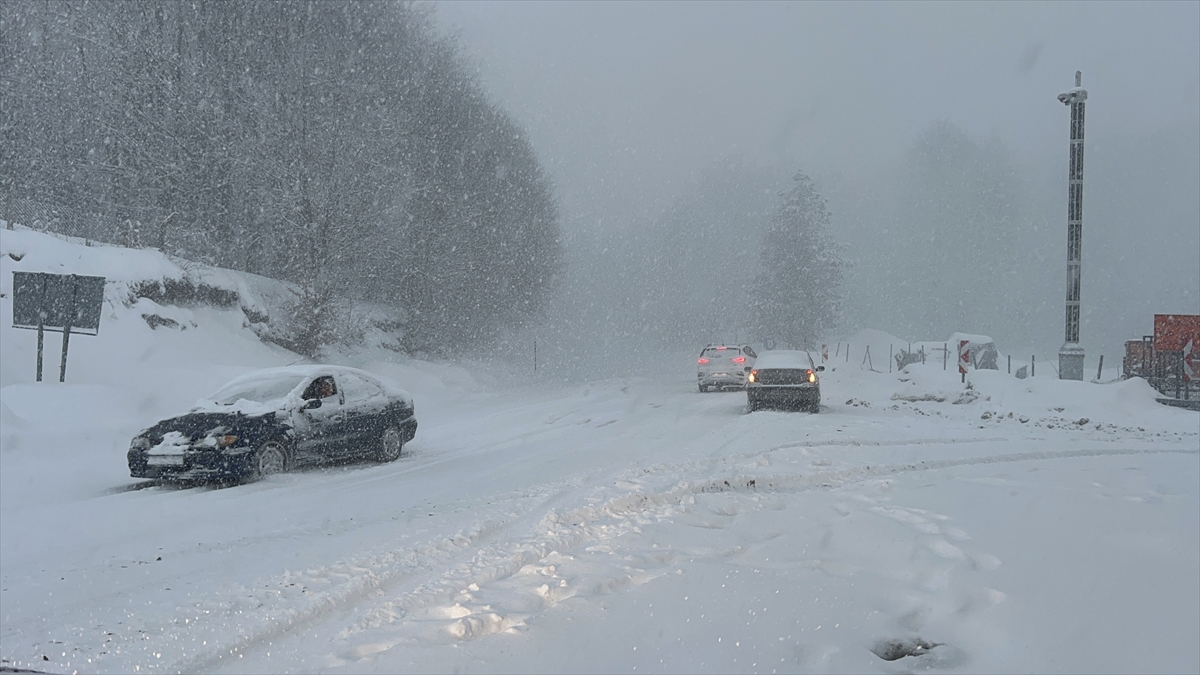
(629, 524)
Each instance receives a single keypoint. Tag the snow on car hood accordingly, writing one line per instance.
(172, 443)
(242, 406)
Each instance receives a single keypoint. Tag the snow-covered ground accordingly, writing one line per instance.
(627, 524)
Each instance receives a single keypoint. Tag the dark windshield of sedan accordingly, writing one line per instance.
(262, 391)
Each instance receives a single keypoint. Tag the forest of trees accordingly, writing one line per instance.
(953, 237)
(704, 252)
(729, 258)
(343, 146)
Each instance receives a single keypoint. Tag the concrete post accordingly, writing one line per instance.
(1070, 356)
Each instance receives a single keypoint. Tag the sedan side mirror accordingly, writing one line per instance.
(311, 403)
(820, 369)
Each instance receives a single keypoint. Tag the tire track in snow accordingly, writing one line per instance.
(274, 608)
(274, 603)
(590, 525)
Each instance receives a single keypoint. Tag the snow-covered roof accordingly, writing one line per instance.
(310, 371)
(784, 358)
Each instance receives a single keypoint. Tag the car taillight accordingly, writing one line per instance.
(812, 377)
(703, 361)
(739, 359)
(752, 376)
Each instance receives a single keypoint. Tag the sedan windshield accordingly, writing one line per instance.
(262, 391)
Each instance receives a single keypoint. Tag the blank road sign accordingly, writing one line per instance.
(63, 300)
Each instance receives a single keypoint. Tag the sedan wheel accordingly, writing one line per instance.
(392, 445)
(271, 458)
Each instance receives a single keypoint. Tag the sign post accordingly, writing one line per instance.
(964, 358)
(1189, 361)
(68, 303)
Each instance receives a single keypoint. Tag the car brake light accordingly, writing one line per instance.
(739, 359)
(812, 377)
(703, 361)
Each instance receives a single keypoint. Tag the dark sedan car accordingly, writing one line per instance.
(274, 420)
(784, 378)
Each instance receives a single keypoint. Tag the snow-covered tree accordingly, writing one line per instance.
(347, 147)
(797, 290)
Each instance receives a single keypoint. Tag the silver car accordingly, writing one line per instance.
(724, 366)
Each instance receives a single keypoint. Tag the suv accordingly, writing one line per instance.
(785, 379)
(724, 366)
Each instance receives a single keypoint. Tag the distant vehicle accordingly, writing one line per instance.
(275, 420)
(784, 379)
(724, 366)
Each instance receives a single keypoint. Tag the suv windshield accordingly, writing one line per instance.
(262, 391)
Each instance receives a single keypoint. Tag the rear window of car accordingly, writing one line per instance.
(262, 391)
(717, 352)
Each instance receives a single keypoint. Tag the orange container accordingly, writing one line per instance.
(1172, 331)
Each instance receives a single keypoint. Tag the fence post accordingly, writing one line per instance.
(890, 358)
(41, 338)
(1100, 368)
(1179, 374)
(1010, 364)
(847, 352)
(1033, 365)
(945, 353)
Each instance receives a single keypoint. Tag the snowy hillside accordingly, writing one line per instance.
(626, 524)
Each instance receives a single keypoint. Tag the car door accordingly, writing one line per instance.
(365, 407)
(320, 422)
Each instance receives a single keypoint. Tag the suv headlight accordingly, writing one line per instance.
(140, 443)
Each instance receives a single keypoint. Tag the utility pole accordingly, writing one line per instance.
(1070, 356)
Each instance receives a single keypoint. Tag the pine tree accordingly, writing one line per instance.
(797, 290)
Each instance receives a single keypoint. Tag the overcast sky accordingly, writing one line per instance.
(625, 99)
(627, 102)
